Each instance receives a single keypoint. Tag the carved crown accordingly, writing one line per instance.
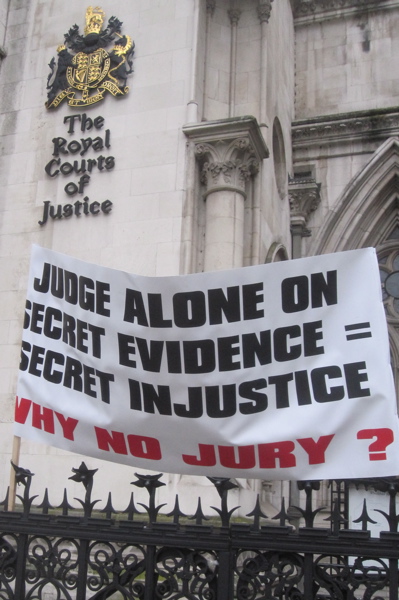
(94, 20)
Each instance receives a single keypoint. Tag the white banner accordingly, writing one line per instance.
(277, 371)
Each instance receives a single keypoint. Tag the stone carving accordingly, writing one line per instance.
(228, 151)
(311, 7)
(217, 170)
(304, 198)
(357, 126)
(226, 164)
(85, 71)
(303, 202)
(248, 169)
(264, 10)
(234, 14)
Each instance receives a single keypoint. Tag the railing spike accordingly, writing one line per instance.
(336, 518)
(131, 510)
(257, 514)
(199, 515)
(364, 517)
(108, 509)
(176, 513)
(65, 506)
(45, 505)
(4, 504)
(283, 515)
(390, 485)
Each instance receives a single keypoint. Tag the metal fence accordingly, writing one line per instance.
(48, 553)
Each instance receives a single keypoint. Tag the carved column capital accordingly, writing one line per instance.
(228, 151)
(264, 10)
(304, 198)
(234, 14)
(226, 164)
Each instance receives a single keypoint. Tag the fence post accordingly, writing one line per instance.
(151, 483)
(393, 579)
(393, 519)
(82, 570)
(20, 570)
(149, 590)
(85, 476)
(309, 516)
(308, 577)
(225, 581)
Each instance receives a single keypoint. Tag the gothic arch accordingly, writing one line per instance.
(368, 209)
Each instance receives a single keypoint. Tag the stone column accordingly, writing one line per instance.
(264, 11)
(226, 167)
(192, 105)
(229, 153)
(234, 15)
(210, 9)
(304, 197)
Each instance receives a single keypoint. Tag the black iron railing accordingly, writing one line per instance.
(48, 553)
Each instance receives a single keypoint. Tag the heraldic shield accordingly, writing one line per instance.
(84, 77)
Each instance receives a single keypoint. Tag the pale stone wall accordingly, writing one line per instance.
(191, 65)
(347, 63)
(346, 83)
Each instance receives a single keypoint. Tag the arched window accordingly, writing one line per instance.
(279, 160)
(277, 252)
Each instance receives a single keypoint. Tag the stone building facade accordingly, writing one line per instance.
(253, 131)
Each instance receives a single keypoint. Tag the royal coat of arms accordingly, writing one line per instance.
(85, 70)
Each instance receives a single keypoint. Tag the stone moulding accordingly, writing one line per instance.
(228, 129)
(305, 10)
(345, 127)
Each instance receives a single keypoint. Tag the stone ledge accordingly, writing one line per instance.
(225, 129)
(346, 127)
